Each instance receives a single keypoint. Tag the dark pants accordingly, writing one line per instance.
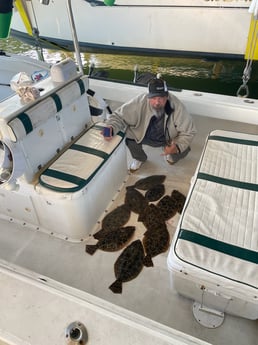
(138, 153)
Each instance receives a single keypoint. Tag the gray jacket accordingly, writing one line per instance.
(134, 117)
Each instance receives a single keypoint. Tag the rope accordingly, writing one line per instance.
(243, 90)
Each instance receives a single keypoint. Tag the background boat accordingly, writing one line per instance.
(193, 28)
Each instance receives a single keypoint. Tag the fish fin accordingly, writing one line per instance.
(98, 235)
(91, 248)
(116, 287)
(147, 261)
(147, 232)
(141, 217)
(129, 187)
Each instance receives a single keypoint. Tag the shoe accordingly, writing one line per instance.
(135, 165)
(169, 160)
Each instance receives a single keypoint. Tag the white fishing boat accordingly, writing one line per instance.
(59, 179)
(193, 28)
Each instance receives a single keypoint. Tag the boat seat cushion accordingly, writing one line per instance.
(58, 105)
(76, 167)
(218, 229)
(52, 123)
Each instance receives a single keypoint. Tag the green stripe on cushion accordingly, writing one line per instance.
(233, 140)
(89, 150)
(24, 118)
(79, 182)
(57, 101)
(219, 246)
(228, 182)
(63, 177)
(81, 86)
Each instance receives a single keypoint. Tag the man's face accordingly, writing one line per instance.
(158, 103)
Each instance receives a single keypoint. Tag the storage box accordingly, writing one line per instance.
(75, 190)
(63, 71)
(214, 253)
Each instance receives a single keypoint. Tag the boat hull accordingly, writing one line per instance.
(170, 29)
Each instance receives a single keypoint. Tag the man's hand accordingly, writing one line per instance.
(170, 149)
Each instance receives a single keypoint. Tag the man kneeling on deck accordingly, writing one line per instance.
(157, 119)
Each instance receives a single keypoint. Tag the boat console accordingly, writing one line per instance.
(55, 163)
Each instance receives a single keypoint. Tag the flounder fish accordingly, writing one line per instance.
(116, 218)
(135, 200)
(155, 193)
(155, 241)
(149, 182)
(179, 200)
(151, 216)
(128, 265)
(168, 207)
(114, 240)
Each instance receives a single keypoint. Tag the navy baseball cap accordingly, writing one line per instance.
(157, 88)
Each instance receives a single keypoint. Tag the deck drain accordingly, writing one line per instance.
(77, 333)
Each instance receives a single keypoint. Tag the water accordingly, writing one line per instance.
(222, 77)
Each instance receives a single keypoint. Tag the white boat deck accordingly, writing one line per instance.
(151, 294)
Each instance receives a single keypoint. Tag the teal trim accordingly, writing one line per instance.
(57, 101)
(121, 134)
(233, 140)
(24, 118)
(89, 150)
(81, 86)
(228, 182)
(64, 177)
(219, 246)
(79, 182)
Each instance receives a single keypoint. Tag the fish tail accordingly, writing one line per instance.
(140, 218)
(97, 236)
(91, 248)
(116, 287)
(147, 261)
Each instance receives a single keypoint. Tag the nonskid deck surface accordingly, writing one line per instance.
(150, 294)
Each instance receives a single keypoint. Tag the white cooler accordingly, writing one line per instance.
(214, 253)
